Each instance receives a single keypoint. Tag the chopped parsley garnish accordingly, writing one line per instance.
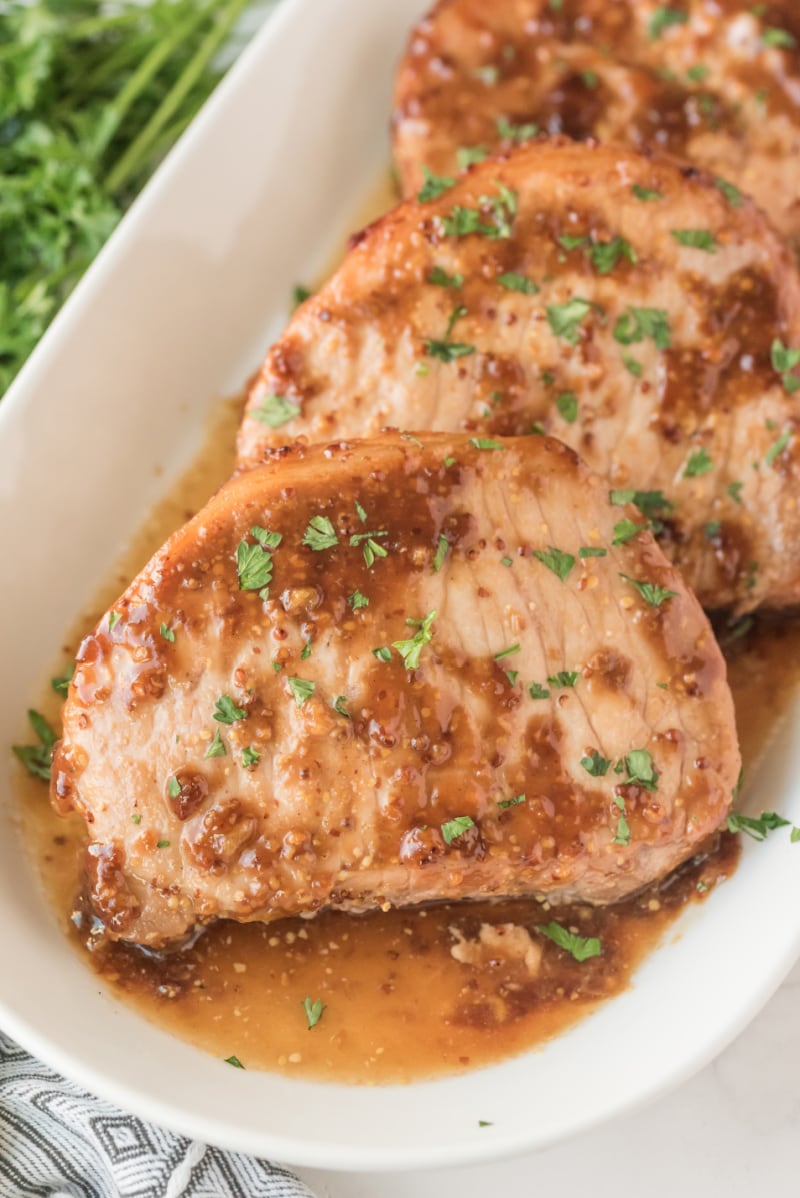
(305, 652)
(488, 74)
(564, 678)
(494, 224)
(537, 691)
(595, 764)
(370, 547)
(313, 1010)
(237, 1064)
(632, 366)
(557, 561)
(604, 255)
(340, 704)
(276, 410)
(217, 746)
(250, 756)
(167, 632)
(515, 282)
(113, 619)
(453, 828)
(735, 491)
(649, 503)
(441, 553)
(254, 562)
(651, 592)
(731, 193)
(357, 600)
(300, 294)
(591, 551)
(227, 712)
(565, 319)
(469, 155)
(506, 561)
(433, 186)
(781, 39)
(360, 512)
(699, 463)
(485, 443)
(580, 947)
(37, 758)
(382, 653)
(511, 131)
(508, 652)
(173, 788)
(442, 279)
(61, 684)
(636, 324)
(163, 844)
(320, 534)
(663, 18)
(640, 769)
(411, 649)
(448, 462)
(590, 78)
(697, 73)
(712, 529)
(625, 530)
(645, 194)
(697, 239)
(784, 361)
(301, 689)
(447, 350)
(757, 828)
(623, 832)
(778, 447)
(506, 803)
(567, 404)
(136, 818)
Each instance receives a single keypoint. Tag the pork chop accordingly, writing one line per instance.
(389, 673)
(620, 302)
(717, 83)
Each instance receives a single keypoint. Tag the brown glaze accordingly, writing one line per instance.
(366, 352)
(711, 88)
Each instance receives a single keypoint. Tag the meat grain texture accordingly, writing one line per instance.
(389, 673)
(621, 302)
(717, 83)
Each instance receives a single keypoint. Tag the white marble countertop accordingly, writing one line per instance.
(731, 1130)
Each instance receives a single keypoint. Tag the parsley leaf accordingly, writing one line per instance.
(237, 1064)
(663, 18)
(453, 828)
(320, 534)
(778, 447)
(731, 193)
(485, 443)
(537, 691)
(370, 547)
(61, 684)
(640, 769)
(313, 1011)
(173, 788)
(698, 239)
(167, 632)
(469, 155)
(623, 832)
(441, 553)
(217, 746)
(636, 324)
(254, 562)
(250, 756)
(433, 186)
(595, 764)
(567, 404)
(411, 649)
(756, 828)
(442, 279)
(699, 463)
(508, 652)
(495, 224)
(276, 410)
(604, 255)
(506, 803)
(651, 592)
(565, 319)
(340, 704)
(511, 131)
(781, 39)
(649, 503)
(784, 361)
(227, 712)
(557, 561)
(301, 689)
(645, 194)
(590, 551)
(564, 678)
(357, 600)
(735, 491)
(515, 282)
(37, 758)
(580, 947)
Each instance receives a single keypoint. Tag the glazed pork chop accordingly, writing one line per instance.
(620, 302)
(717, 83)
(395, 672)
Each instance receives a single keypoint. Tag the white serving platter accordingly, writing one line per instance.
(177, 311)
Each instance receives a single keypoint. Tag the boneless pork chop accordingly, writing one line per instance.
(394, 672)
(624, 304)
(717, 83)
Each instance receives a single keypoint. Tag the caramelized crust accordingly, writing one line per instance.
(621, 302)
(335, 774)
(717, 83)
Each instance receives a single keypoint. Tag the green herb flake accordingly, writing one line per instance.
(320, 534)
(637, 324)
(305, 652)
(113, 619)
(370, 545)
(649, 503)
(136, 818)
(779, 39)
(777, 448)
(516, 282)
(595, 764)
(560, 563)
(442, 550)
(504, 804)
(756, 827)
(173, 788)
(565, 319)
(275, 411)
(226, 711)
(699, 463)
(697, 73)
(567, 404)
(61, 684)
(411, 649)
(591, 551)
(167, 633)
(506, 561)
(301, 689)
(494, 219)
(356, 601)
(511, 131)
(433, 185)
(622, 834)
(625, 530)
(604, 255)
(580, 947)
(697, 239)
(217, 746)
(537, 691)
(448, 462)
(735, 491)
(564, 678)
(339, 704)
(488, 74)
(440, 278)
(651, 592)
(469, 155)
(382, 653)
(632, 366)
(712, 529)
(250, 756)
(730, 192)
(486, 443)
(300, 294)
(254, 564)
(508, 652)
(640, 769)
(237, 1064)
(645, 194)
(784, 361)
(453, 828)
(163, 844)
(37, 758)
(663, 18)
(313, 1010)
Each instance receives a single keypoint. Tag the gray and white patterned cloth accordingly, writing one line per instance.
(56, 1141)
